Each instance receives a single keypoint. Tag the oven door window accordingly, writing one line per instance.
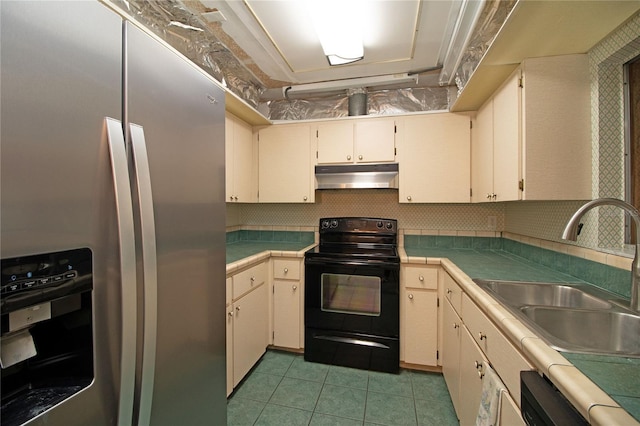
(351, 294)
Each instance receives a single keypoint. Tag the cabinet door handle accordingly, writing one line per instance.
(286, 270)
(477, 364)
(449, 291)
(230, 314)
(482, 336)
(480, 374)
(231, 197)
(360, 157)
(349, 157)
(409, 198)
(305, 198)
(455, 325)
(237, 308)
(488, 196)
(253, 279)
(410, 296)
(294, 287)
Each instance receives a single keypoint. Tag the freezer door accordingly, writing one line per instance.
(181, 112)
(61, 76)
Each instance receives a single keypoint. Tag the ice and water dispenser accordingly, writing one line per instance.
(46, 347)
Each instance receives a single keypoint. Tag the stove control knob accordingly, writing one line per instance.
(379, 224)
(325, 224)
(389, 225)
(334, 223)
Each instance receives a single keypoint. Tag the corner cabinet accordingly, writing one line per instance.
(247, 321)
(434, 153)
(419, 315)
(240, 171)
(286, 161)
(361, 140)
(534, 132)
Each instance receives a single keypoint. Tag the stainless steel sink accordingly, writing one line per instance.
(547, 294)
(599, 331)
(571, 317)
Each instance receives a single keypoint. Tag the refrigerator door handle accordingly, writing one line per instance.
(126, 237)
(150, 268)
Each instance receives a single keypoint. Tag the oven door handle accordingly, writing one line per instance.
(352, 341)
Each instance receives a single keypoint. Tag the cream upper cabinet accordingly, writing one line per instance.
(374, 140)
(335, 142)
(286, 161)
(537, 127)
(364, 140)
(435, 159)
(240, 173)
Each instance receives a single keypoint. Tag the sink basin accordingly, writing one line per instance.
(518, 293)
(592, 331)
(571, 317)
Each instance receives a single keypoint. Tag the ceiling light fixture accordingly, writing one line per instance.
(338, 24)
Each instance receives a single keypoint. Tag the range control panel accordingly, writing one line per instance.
(358, 224)
(32, 279)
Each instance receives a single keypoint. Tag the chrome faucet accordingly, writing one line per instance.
(572, 229)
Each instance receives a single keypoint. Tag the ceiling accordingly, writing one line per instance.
(407, 41)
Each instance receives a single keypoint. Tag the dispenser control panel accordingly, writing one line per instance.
(28, 280)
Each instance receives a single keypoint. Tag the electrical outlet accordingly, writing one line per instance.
(492, 223)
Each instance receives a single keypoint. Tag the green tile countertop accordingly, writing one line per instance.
(618, 377)
(243, 249)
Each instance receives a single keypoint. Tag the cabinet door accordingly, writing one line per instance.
(472, 363)
(285, 164)
(451, 352)
(510, 412)
(250, 328)
(482, 154)
(436, 160)
(420, 326)
(230, 383)
(506, 140)
(374, 140)
(335, 142)
(244, 188)
(228, 156)
(286, 314)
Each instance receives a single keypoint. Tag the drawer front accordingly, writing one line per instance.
(453, 293)
(420, 277)
(505, 358)
(229, 290)
(247, 280)
(286, 269)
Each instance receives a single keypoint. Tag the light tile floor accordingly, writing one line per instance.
(284, 389)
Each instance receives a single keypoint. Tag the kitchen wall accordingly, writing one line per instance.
(542, 220)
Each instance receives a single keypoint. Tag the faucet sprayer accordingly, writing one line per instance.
(573, 226)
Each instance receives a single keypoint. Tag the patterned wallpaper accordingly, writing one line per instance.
(543, 220)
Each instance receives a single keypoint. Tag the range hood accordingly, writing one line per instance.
(357, 176)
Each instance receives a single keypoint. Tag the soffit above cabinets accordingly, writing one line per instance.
(542, 28)
(403, 37)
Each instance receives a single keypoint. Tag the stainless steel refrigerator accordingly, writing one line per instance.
(112, 224)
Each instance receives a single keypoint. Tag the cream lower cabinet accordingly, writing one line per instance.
(470, 343)
(247, 322)
(286, 162)
(434, 152)
(419, 315)
(288, 292)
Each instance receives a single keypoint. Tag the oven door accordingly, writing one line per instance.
(356, 297)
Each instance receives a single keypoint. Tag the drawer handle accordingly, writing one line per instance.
(482, 336)
(253, 279)
(421, 278)
(294, 287)
(410, 296)
(286, 270)
(455, 325)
